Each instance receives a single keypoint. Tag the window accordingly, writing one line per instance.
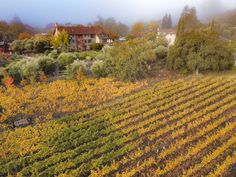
(87, 41)
(86, 36)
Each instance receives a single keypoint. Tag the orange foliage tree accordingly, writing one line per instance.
(24, 35)
(9, 81)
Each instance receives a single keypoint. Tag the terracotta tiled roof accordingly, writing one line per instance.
(80, 29)
(167, 31)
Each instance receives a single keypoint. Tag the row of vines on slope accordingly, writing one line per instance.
(153, 132)
(44, 101)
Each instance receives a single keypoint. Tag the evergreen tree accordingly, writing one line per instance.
(199, 50)
(167, 22)
(164, 22)
(190, 17)
(181, 26)
(213, 26)
(185, 11)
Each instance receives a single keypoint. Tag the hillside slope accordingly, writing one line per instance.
(41, 102)
(175, 128)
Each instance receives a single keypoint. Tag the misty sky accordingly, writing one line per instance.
(41, 12)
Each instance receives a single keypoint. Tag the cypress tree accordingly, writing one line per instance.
(213, 26)
(169, 21)
(181, 26)
(164, 21)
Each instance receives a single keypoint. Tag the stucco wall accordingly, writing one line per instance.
(171, 39)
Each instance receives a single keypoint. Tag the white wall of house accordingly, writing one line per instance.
(170, 39)
(72, 43)
(170, 36)
(98, 40)
(109, 41)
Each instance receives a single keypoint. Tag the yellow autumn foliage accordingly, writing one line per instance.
(43, 101)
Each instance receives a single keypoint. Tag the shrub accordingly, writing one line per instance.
(87, 55)
(98, 69)
(92, 54)
(30, 70)
(47, 64)
(8, 81)
(15, 70)
(195, 62)
(80, 74)
(161, 52)
(100, 56)
(97, 46)
(53, 54)
(66, 59)
(71, 70)
(40, 45)
(234, 69)
(42, 76)
(29, 45)
(46, 52)
(17, 46)
(179, 64)
(14, 57)
(151, 36)
(88, 58)
(4, 59)
(161, 40)
(82, 55)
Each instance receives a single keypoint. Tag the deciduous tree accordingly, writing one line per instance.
(61, 40)
(138, 29)
(152, 26)
(24, 35)
(112, 27)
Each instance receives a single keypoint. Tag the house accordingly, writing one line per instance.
(121, 39)
(169, 34)
(82, 37)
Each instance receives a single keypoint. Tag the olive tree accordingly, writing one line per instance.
(129, 61)
(200, 50)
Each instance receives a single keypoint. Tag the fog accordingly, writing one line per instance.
(41, 12)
